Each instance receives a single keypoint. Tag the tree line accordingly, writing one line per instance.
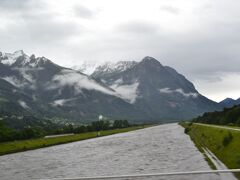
(34, 128)
(228, 116)
(94, 126)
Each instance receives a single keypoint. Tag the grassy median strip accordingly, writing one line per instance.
(224, 143)
(24, 145)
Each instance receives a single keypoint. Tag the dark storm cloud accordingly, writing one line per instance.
(84, 12)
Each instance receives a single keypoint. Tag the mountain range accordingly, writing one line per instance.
(137, 91)
(229, 102)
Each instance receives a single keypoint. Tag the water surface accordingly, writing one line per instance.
(163, 148)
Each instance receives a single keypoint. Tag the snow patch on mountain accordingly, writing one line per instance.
(119, 66)
(90, 67)
(59, 102)
(180, 91)
(34, 62)
(19, 58)
(128, 92)
(10, 58)
(86, 67)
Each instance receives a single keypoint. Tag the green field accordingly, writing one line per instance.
(224, 143)
(18, 146)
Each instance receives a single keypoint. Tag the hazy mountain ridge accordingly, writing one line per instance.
(126, 89)
(229, 102)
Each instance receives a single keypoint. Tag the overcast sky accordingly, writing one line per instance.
(199, 38)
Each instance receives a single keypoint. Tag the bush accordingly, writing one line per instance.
(238, 161)
(120, 124)
(227, 139)
(187, 129)
(238, 122)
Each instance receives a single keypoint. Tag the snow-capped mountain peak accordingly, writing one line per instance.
(90, 68)
(114, 67)
(86, 67)
(18, 53)
(11, 58)
(122, 65)
(34, 62)
(20, 59)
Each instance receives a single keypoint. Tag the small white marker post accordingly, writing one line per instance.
(100, 117)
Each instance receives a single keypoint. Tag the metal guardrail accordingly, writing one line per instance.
(151, 175)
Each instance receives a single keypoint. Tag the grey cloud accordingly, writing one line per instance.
(137, 27)
(206, 53)
(39, 32)
(170, 9)
(21, 6)
(47, 31)
(78, 81)
(209, 52)
(34, 24)
(179, 91)
(13, 4)
(84, 12)
(37, 28)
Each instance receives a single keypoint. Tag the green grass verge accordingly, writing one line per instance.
(213, 139)
(199, 145)
(24, 145)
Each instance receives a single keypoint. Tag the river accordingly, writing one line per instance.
(163, 148)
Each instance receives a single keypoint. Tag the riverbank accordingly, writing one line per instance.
(223, 142)
(24, 145)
